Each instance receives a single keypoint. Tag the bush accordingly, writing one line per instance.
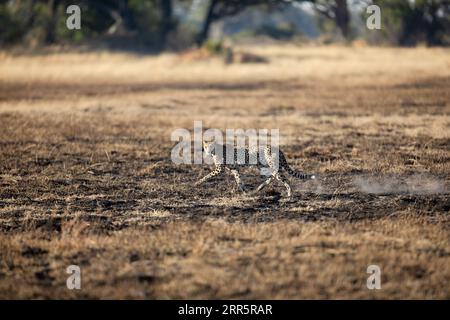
(12, 27)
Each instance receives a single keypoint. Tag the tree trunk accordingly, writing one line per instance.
(203, 35)
(433, 27)
(125, 13)
(31, 16)
(342, 17)
(53, 20)
(412, 24)
(166, 20)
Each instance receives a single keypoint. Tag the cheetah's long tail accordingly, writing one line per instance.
(298, 175)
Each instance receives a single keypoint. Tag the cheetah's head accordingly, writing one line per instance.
(208, 146)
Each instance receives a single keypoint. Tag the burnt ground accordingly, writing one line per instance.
(86, 178)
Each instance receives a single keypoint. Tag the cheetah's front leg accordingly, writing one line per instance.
(213, 173)
(263, 185)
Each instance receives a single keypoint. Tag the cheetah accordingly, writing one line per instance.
(262, 157)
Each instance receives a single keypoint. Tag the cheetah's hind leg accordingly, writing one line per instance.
(280, 177)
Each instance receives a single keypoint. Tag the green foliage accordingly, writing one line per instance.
(408, 23)
(150, 23)
(281, 31)
(29, 21)
(213, 46)
(147, 19)
(91, 25)
(11, 27)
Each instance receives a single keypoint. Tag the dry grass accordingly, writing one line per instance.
(86, 176)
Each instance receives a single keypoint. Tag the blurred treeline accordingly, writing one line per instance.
(177, 24)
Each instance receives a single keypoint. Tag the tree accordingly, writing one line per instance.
(52, 21)
(421, 20)
(427, 18)
(167, 22)
(336, 10)
(218, 9)
(136, 22)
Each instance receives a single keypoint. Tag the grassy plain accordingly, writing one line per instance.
(86, 176)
